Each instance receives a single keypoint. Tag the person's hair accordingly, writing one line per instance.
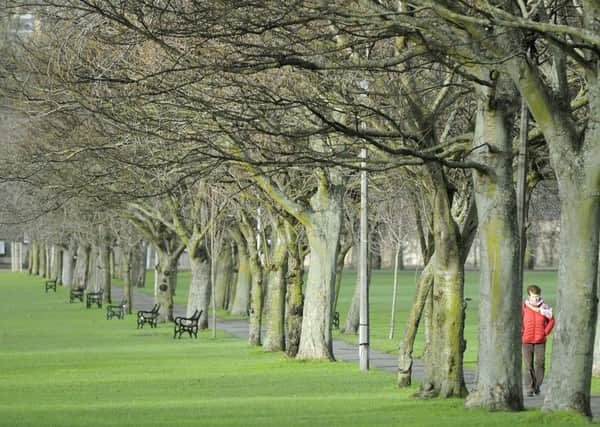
(534, 289)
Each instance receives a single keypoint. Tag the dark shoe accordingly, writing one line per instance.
(536, 391)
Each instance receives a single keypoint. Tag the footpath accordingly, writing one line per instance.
(343, 351)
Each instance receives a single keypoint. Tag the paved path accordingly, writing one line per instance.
(342, 350)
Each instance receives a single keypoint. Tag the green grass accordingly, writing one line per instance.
(380, 304)
(64, 365)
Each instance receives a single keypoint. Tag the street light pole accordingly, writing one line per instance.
(363, 328)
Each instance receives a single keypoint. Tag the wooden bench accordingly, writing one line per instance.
(76, 294)
(148, 316)
(94, 298)
(187, 324)
(117, 310)
(50, 284)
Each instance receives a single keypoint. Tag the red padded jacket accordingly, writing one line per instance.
(536, 327)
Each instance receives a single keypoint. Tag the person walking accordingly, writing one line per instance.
(537, 324)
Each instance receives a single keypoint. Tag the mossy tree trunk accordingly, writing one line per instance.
(422, 308)
(499, 381)
(295, 282)
(274, 337)
(138, 265)
(241, 298)
(345, 246)
(256, 287)
(405, 348)
(575, 158)
(443, 362)
(224, 276)
(322, 220)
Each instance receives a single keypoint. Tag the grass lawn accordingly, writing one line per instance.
(64, 365)
(380, 302)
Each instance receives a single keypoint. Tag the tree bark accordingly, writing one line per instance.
(224, 275)
(138, 265)
(576, 163)
(339, 269)
(256, 287)
(295, 298)
(81, 272)
(199, 293)
(405, 359)
(443, 363)
(423, 303)
(104, 270)
(68, 267)
(498, 382)
(241, 299)
(576, 302)
(41, 270)
(166, 275)
(57, 275)
(274, 337)
(323, 235)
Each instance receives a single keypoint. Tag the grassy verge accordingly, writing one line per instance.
(64, 365)
(380, 303)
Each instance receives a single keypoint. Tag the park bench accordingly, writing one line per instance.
(76, 294)
(50, 284)
(118, 310)
(336, 320)
(148, 316)
(94, 298)
(187, 324)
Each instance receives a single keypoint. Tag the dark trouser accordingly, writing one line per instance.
(534, 356)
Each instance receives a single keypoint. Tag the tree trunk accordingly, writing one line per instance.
(127, 254)
(223, 276)
(60, 252)
(405, 359)
(241, 299)
(41, 271)
(498, 382)
(166, 275)
(256, 287)
(395, 291)
(48, 265)
(274, 337)
(295, 299)
(323, 235)
(104, 264)
(576, 163)
(199, 294)
(443, 363)
(339, 270)
(34, 251)
(322, 222)
(576, 302)
(81, 272)
(138, 265)
(68, 268)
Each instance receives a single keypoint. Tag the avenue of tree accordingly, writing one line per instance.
(231, 130)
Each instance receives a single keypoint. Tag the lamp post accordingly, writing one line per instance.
(363, 325)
